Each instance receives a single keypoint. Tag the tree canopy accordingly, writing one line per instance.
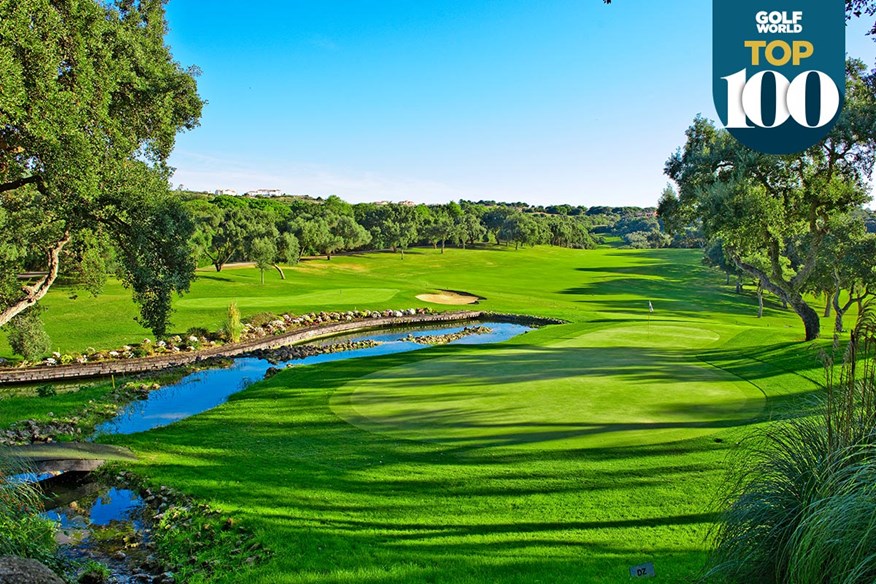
(777, 207)
(91, 101)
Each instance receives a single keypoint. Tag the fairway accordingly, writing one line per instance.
(619, 386)
(339, 297)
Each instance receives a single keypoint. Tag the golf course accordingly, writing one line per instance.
(567, 454)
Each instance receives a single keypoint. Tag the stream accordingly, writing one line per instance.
(86, 511)
(209, 388)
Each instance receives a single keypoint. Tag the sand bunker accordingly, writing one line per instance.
(449, 297)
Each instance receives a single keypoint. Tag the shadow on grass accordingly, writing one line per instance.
(657, 276)
(334, 501)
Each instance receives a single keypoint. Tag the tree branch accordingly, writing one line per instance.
(34, 293)
(803, 274)
(11, 186)
(762, 278)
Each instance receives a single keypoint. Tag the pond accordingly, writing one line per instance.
(99, 522)
(209, 388)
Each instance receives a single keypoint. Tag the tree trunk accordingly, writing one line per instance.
(328, 256)
(760, 302)
(738, 286)
(838, 326)
(34, 293)
(788, 295)
(828, 305)
(279, 269)
(262, 272)
(442, 247)
(402, 252)
(810, 319)
(218, 266)
(728, 278)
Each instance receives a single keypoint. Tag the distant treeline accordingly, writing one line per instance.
(275, 230)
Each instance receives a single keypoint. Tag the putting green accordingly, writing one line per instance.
(620, 386)
(340, 296)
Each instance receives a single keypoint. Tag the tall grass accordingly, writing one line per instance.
(23, 532)
(232, 328)
(802, 504)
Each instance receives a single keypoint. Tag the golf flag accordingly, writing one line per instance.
(650, 307)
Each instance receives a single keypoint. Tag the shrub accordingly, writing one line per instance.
(198, 331)
(142, 351)
(803, 505)
(232, 327)
(46, 391)
(261, 318)
(94, 573)
(26, 335)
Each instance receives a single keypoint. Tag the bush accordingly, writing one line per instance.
(142, 351)
(26, 335)
(46, 391)
(232, 327)
(803, 506)
(198, 331)
(261, 318)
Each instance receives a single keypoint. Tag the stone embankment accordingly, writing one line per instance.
(158, 363)
(291, 352)
(449, 337)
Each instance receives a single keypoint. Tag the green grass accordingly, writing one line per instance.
(565, 455)
(577, 285)
(522, 396)
(24, 406)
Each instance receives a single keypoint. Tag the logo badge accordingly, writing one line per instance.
(778, 69)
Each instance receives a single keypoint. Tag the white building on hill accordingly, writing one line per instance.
(265, 193)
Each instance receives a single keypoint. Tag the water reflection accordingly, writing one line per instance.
(207, 389)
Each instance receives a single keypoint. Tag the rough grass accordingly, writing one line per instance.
(619, 436)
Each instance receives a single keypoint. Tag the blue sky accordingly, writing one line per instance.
(542, 101)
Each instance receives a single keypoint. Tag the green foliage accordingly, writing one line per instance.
(232, 328)
(26, 335)
(776, 207)
(288, 249)
(92, 101)
(262, 251)
(158, 262)
(804, 499)
(317, 237)
(260, 318)
(46, 391)
(22, 531)
(198, 331)
(94, 573)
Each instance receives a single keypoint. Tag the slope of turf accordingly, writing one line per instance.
(565, 455)
(340, 504)
(617, 386)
